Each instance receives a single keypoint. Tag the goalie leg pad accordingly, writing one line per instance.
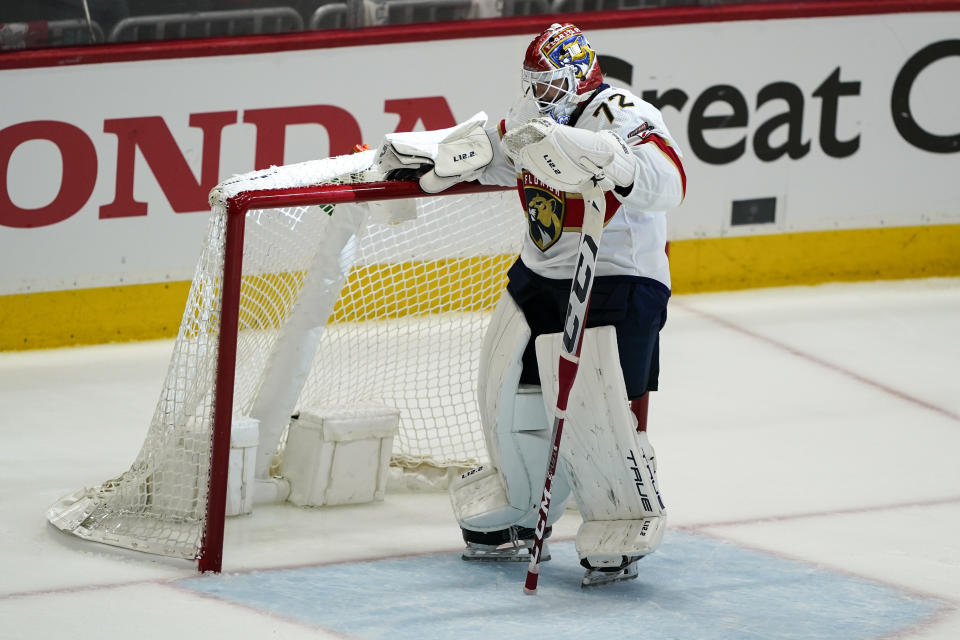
(614, 538)
(517, 432)
(609, 463)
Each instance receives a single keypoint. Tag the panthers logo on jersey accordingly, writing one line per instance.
(573, 50)
(545, 213)
(551, 212)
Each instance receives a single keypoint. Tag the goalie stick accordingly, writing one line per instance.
(594, 209)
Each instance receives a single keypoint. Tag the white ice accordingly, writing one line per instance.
(817, 423)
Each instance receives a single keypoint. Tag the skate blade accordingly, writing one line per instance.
(494, 556)
(600, 578)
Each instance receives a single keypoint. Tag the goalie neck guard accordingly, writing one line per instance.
(560, 69)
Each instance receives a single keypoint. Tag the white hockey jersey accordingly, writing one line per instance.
(635, 231)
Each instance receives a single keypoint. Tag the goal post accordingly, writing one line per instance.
(319, 283)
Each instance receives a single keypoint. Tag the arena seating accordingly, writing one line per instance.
(143, 20)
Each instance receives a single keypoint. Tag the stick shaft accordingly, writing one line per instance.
(574, 322)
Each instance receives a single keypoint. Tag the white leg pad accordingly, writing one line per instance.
(608, 462)
(480, 501)
(507, 491)
(620, 537)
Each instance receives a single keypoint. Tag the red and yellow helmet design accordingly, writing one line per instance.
(560, 68)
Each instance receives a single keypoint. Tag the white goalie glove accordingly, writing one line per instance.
(570, 159)
(440, 158)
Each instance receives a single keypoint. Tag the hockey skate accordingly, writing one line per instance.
(607, 571)
(513, 544)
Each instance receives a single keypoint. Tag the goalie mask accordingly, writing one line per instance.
(560, 69)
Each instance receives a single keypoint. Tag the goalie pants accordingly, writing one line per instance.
(635, 306)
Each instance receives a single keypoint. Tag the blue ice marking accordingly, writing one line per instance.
(692, 588)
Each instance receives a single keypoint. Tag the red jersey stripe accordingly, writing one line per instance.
(671, 154)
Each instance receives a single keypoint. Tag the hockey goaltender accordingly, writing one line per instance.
(569, 135)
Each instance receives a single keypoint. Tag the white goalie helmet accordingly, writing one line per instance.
(560, 69)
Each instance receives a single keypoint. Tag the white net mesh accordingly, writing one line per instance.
(409, 324)
(336, 309)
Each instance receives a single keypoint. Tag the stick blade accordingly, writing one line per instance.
(530, 584)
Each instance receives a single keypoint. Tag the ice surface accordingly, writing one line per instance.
(807, 442)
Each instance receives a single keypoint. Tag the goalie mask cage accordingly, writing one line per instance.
(319, 284)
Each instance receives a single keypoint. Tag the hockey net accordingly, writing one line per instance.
(318, 284)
